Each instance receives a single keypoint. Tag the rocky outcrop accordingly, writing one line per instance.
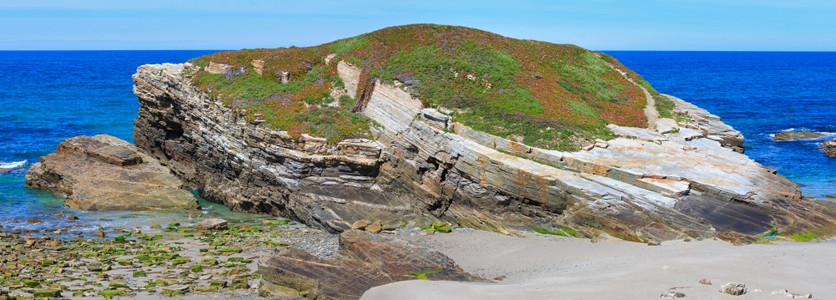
(106, 173)
(678, 180)
(829, 148)
(712, 126)
(363, 261)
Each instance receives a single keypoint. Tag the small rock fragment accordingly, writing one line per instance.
(733, 288)
(375, 227)
(72, 218)
(792, 295)
(672, 294)
(705, 281)
(360, 224)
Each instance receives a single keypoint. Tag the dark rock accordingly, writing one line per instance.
(211, 225)
(829, 148)
(106, 173)
(72, 218)
(407, 79)
(798, 136)
(363, 261)
(235, 72)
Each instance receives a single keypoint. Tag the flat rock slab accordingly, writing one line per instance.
(106, 173)
(363, 261)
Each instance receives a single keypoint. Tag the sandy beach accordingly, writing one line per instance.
(548, 267)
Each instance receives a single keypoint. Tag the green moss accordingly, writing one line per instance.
(109, 294)
(47, 293)
(805, 237)
(196, 268)
(231, 250)
(424, 275)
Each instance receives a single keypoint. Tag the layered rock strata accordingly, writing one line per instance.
(106, 173)
(364, 260)
(678, 180)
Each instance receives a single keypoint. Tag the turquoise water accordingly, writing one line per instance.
(48, 96)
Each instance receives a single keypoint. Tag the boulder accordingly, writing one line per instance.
(798, 136)
(106, 173)
(363, 261)
(829, 148)
(213, 224)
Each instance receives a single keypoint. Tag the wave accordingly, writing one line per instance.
(12, 165)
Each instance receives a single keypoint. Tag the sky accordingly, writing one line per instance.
(720, 25)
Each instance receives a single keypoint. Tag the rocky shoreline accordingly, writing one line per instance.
(149, 262)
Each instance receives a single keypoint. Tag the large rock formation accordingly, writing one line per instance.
(829, 148)
(364, 260)
(645, 185)
(106, 173)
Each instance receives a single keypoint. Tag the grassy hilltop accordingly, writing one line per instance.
(554, 96)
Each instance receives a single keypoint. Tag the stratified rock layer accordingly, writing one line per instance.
(364, 260)
(682, 179)
(106, 173)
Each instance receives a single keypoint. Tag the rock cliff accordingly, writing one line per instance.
(680, 179)
(106, 173)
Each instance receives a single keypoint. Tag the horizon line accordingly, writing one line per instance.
(617, 50)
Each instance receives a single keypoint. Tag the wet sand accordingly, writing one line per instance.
(549, 267)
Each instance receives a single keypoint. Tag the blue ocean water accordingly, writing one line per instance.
(760, 94)
(47, 96)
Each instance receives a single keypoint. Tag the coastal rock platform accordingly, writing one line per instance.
(105, 173)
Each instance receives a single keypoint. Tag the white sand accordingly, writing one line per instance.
(547, 267)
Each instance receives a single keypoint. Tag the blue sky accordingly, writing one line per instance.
(787, 25)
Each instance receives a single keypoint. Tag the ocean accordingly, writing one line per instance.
(48, 96)
(759, 94)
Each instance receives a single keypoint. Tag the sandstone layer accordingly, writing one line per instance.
(364, 260)
(682, 179)
(106, 173)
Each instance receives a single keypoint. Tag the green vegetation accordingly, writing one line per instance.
(563, 231)
(805, 237)
(438, 227)
(424, 275)
(553, 96)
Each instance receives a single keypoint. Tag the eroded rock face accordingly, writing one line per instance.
(106, 173)
(363, 261)
(829, 148)
(645, 185)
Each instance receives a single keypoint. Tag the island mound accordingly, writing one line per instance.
(416, 124)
